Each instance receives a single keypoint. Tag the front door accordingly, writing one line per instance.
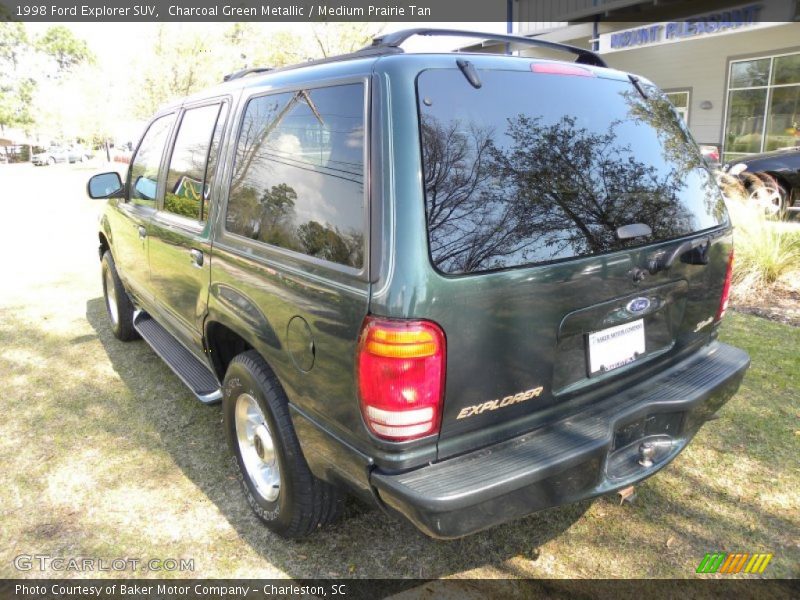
(132, 227)
(180, 241)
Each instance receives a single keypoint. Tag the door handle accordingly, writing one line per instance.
(197, 257)
(142, 232)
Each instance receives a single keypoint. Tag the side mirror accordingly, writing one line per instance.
(104, 185)
(145, 188)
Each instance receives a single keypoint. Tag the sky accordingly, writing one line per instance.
(128, 39)
(117, 46)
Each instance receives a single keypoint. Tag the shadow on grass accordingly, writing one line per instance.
(148, 411)
(364, 542)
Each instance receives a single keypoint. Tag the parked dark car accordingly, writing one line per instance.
(463, 287)
(782, 170)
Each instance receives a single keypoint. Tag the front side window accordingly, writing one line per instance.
(298, 176)
(187, 183)
(146, 163)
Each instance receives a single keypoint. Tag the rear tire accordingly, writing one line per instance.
(769, 193)
(783, 196)
(269, 463)
(118, 304)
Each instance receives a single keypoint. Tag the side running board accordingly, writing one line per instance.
(191, 371)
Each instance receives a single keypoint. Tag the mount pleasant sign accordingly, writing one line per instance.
(712, 24)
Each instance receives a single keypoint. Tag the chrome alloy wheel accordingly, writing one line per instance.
(770, 200)
(111, 296)
(256, 447)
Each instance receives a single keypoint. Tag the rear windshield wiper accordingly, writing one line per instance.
(638, 86)
(470, 72)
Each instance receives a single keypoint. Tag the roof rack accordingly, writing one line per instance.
(390, 44)
(245, 72)
(364, 52)
(395, 38)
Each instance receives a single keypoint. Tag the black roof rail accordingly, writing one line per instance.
(395, 38)
(364, 52)
(390, 44)
(245, 72)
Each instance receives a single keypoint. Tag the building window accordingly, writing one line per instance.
(763, 108)
(680, 100)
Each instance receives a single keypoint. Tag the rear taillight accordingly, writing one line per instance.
(401, 377)
(726, 288)
(561, 69)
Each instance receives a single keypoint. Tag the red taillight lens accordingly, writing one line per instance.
(561, 69)
(401, 377)
(726, 288)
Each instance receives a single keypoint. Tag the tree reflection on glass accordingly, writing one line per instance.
(548, 187)
(298, 179)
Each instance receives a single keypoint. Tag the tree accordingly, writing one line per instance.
(342, 38)
(61, 45)
(13, 44)
(251, 46)
(181, 62)
(322, 242)
(16, 90)
(539, 191)
(277, 212)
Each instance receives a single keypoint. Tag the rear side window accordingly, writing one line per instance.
(298, 176)
(534, 167)
(187, 183)
(146, 163)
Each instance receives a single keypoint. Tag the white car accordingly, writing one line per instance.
(53, 155)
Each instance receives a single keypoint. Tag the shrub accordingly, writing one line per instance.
(767, 251)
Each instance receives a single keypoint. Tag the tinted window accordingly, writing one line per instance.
(298, 178)
(213, 158)
(145, 165)
(186, 183)
(550, 171)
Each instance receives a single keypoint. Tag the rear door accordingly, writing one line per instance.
(180, 240)
(550, 192)
(289, 265)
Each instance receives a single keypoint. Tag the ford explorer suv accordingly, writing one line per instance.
(462, 287)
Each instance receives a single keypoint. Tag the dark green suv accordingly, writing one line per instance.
(463, 287)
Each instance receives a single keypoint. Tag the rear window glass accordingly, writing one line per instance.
(533, 168)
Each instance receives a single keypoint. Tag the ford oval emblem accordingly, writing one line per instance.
(638, 305)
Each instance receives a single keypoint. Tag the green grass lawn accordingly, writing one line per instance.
(106, 454)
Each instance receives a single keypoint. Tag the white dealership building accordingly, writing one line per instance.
(733, 71)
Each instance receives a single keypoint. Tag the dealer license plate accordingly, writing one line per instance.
(616, 346)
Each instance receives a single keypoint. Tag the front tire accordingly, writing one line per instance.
(118, 304)
(270, 465)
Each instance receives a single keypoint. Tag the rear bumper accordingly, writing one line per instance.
(587, 454)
